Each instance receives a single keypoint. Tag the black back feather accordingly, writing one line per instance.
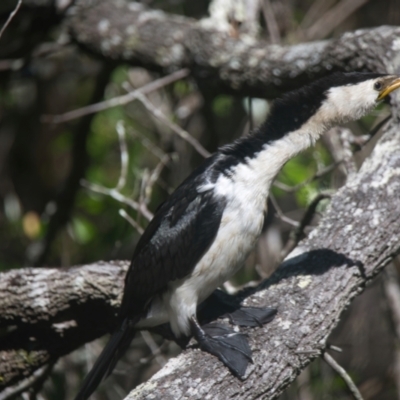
(182, 230)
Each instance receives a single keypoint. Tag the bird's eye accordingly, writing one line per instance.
(378, 85)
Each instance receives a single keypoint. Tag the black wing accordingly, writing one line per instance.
(182, 230)
(180, 233)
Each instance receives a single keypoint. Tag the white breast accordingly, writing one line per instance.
(245, 192)
(240, 228)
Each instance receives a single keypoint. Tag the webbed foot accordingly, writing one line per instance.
(222, 305)
(231, 347)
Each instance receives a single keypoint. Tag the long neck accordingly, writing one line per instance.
(296, 120)
(261, 169)
(255, 160)
(295, 123)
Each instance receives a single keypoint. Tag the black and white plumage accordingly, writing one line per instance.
(203, 232)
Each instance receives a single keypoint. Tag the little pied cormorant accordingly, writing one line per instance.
(203, 232)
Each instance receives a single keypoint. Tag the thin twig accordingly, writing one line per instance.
(148, 144)
(154, 177)
(147, 185)
(174, 127)
(271, 22)
(10, 17)
(128, 218)
(154, 348)
(116, 195)
(34, 391)
(374, 131)
(317, 8)
(334, 348)
(13, 391)
(345, 376)
(124, 155)
(117, 101)
(332, 18)
(143, 184)
(280, 213)
(317, 175)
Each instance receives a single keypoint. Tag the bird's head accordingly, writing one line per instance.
(334, 99)
(350, 96)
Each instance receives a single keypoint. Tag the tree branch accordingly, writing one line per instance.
(10, 18)
(159, 41)
(54, 312)
(344, 375)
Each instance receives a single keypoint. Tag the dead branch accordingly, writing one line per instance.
(332, 18)
(54, 311)
(116, 101)
(344, 375)
(10, 17)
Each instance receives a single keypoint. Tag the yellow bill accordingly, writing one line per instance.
(388, 88)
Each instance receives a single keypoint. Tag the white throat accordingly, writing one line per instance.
(346, 103)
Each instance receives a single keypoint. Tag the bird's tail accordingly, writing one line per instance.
(104, 365)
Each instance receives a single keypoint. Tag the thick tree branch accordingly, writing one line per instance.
(160, 41)
(54, 311)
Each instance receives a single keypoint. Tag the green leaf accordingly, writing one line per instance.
(83, 231)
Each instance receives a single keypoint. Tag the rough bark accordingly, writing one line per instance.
(160, 41)
(47, 313)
